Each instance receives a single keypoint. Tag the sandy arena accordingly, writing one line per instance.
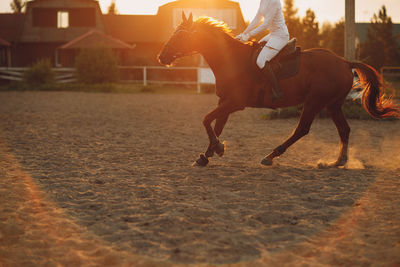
(90, 179)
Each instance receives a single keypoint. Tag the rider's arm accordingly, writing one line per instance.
(270, 11)
(254, 23)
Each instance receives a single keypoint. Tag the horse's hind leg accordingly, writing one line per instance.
(337, 115)
(310, 110)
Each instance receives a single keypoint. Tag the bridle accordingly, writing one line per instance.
(182, 54)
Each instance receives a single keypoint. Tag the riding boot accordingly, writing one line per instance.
(269, 77)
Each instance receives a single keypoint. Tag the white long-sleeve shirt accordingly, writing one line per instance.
(271, 11)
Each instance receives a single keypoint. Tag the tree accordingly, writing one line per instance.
(381, 46)
(112, 8)
(17, 6)
(326, 31)
(332, 37)
(292, 20)
(310, 36)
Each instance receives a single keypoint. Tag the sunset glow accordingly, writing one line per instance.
(328, 10)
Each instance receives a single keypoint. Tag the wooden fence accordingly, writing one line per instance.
(62, 75)
(11, 74)
(131, 74)
(390, 72)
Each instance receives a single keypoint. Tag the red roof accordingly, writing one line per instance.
(4, 43)
(95, 38)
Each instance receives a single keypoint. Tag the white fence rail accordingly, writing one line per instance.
(12, 74)
(148, 75)
(390, 71)
(131, 74)
(62, 75)
(65, 75)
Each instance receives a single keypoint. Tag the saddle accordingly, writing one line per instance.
(285, 64)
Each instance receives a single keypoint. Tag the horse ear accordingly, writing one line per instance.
(190, 18)
(184, 17)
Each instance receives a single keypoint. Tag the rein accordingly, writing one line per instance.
(184, 54)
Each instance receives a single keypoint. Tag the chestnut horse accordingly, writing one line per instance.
(323, 81)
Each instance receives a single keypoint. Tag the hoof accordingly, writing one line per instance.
(266, 161)
(341, 162)
(202, 161)
(220, 149)
(325, 165)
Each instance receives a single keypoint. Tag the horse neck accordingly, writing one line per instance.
(223, 51)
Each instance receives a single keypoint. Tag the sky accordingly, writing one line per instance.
(325, 10)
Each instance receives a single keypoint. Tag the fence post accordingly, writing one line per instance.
(144, 76)
(198, 81)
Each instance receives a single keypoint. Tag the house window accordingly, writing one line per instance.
(62, 19)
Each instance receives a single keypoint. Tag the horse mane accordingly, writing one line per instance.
(218, 26)
(213, 25)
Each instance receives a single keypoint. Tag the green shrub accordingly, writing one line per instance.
(353, 109)
(39, 73)
(97, 65)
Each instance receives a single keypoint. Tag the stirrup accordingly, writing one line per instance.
(272, 81)
(276, 95)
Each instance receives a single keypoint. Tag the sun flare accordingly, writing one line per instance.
(329, 10)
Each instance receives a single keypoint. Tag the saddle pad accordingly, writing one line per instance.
(285, 64)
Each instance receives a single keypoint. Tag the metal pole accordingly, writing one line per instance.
(145, 76)
(198, 81)
(350, 31)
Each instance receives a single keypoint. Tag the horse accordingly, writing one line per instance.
(322, 82)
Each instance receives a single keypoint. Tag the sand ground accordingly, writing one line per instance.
(106, 180)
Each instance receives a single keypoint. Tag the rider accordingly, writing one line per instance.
(271, 11)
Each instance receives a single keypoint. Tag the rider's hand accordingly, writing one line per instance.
(243, 37)
(239, 37)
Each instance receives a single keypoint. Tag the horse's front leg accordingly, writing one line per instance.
(215, 144)
(220, 114)
(219, 126)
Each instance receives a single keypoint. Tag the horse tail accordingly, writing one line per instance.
(373, 99)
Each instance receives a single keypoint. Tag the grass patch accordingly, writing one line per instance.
(99, 88)
(352, 109)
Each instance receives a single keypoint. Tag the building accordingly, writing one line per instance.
(5, 53)
(59, 29)
(362, 31)
(47, 25)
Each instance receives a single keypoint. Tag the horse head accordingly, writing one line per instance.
(180, 44)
